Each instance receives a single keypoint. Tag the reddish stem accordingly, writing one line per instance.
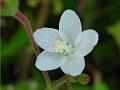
(25, 22)
(2, 3)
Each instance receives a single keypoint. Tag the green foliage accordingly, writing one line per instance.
(77, 86)
(37, 83)
(88, 12)
(96, 86)
(9, 7)
(23, 85)
(115, 32)
(18, 41)
(58, 7)
(69, 4)
(100, 86)
(39, 79)
(104, 51)
(33, 3)
(2, 87)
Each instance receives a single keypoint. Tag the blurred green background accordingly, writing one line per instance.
(18, 71)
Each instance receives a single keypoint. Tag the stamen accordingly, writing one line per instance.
(62, 47)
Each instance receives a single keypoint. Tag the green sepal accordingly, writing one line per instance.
(72, 79)
(83, 78)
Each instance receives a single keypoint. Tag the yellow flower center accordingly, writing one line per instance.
(62, 47)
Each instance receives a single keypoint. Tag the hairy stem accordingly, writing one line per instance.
(68, 83)
(58, 83)
(25, 22)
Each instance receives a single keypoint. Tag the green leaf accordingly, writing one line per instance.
(38, 77)
(100, 86)
(88, 12)
(27, 85)
(2, 87)
(18, 41)
(69, 4)
(115, 32)
(8, 7)
(103, 52)
(77, 86)
(22, 85)
(58, 6)
(33, 3)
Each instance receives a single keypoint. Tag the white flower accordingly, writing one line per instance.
(66, 47)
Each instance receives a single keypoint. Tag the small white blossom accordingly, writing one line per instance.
(66, 47)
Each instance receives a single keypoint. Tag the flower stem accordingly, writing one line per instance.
(68, 83)
(25, 22)
(58, 83)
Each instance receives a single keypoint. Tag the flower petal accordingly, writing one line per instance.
(74, 65)
(49, 61)
(45, 37)
(70, 26)
(86, 41)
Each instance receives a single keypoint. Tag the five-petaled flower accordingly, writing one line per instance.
(66, 47)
